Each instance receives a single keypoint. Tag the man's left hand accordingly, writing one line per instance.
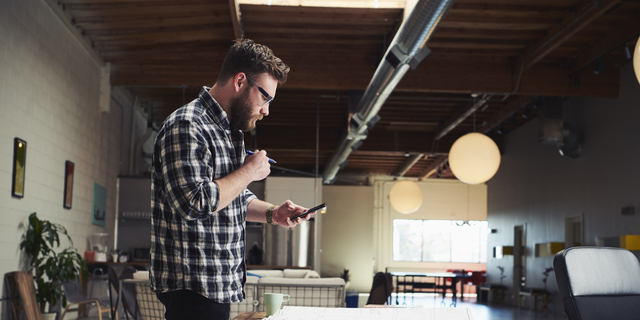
(283, 214)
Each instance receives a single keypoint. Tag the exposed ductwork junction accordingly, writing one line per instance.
(553, 130)
(407, 50)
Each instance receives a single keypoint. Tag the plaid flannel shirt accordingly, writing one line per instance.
(193, 248)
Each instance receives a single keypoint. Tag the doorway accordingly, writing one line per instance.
(573, 231)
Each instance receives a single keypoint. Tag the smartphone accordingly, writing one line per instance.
(314, 209)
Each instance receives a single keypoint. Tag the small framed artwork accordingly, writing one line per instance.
(99, 205)
(19, 166)
(68, 184)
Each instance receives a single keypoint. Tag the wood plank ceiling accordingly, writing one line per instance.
(508, 51)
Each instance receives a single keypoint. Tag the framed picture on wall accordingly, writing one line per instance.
(99, 211)
(19, 166)
(68, 184)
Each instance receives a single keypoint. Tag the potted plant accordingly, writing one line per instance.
(50, 268)
(546, 273)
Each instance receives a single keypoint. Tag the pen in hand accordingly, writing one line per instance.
(249, 152)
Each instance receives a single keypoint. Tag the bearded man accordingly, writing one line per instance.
(199, 197)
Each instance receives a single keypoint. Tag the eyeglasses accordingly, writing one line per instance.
(268, 98)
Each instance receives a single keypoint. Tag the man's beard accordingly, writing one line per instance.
(241, 113)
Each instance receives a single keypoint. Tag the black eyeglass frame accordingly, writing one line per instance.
(267, 96)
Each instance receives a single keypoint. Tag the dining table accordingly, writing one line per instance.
(413, 282)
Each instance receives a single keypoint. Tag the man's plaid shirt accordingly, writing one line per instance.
(193, 248)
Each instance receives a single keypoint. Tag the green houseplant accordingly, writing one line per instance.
(50, 268)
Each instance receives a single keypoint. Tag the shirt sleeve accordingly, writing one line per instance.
(185, 167)
(247, 195)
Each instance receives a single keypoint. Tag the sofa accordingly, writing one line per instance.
(305, 287)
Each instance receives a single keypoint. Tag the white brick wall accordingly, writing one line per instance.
(49, 88)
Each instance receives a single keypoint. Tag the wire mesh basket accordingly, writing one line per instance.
(301, 294)
(150, 307)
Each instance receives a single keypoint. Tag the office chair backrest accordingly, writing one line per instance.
(598, 283)
(73, 291)
(381, 289)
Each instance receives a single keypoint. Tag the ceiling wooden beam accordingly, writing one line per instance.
(434, 75)
(506, 10)
(142, 27)
(176, 38)
(433, 168)
(460, 115)
(306, 30)
(329, 3)
(68, 20)
(506, 112)
(354, 21)
(379, 140)
(132, 10)
(329, 12)
(491, 23)
(570, 25)
(236, 20)
(624, 33)
(409, 163)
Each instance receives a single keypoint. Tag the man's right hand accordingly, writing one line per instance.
(258, 164)
(255, 168)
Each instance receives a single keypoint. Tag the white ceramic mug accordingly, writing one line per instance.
(273, 301)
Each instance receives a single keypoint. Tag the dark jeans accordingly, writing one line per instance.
(186, 304)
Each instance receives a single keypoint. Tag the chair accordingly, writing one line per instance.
(22, 293)
(598, 283)
(381, 288)
(128, 295)
(76, 297)
(98, 272)
(451, 284)
(477, 278)
(112, 278)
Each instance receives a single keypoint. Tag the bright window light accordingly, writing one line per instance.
(439, 241)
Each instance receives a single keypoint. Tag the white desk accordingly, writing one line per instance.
(378, 313)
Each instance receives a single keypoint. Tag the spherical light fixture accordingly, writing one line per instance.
(474, 158)
(636, 60)
(405, 196)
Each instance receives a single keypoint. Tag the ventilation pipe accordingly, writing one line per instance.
(407, 50)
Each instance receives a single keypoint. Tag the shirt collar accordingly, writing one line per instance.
(219, 115)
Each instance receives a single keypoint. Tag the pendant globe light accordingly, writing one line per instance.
(474, 158)
(636, 60)
(405, 196)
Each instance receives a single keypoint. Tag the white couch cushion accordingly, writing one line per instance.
(295, 273)
(312, 275)
(301, 281)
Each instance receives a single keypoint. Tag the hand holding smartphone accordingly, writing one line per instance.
(314, 209)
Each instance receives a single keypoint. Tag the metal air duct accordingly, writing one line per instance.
(407, 50)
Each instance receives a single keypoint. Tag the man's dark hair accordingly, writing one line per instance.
(252, 58)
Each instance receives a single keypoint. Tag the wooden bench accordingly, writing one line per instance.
(491, 293)
(535, 296)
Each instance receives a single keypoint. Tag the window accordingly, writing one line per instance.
(439, 241)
